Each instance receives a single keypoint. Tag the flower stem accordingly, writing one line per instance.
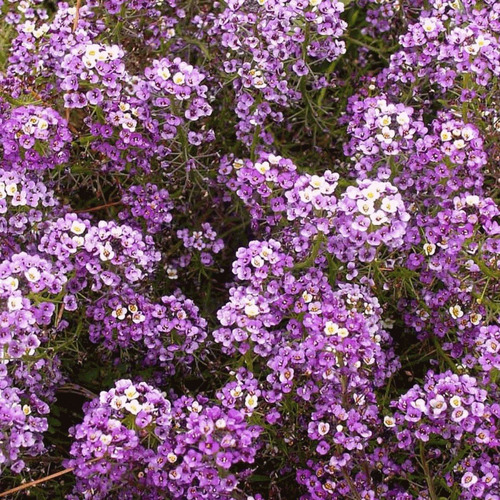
(427, 472)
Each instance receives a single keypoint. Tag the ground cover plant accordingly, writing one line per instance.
(250, 249)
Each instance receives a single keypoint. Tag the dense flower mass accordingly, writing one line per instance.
(132, 435)
(250, 249)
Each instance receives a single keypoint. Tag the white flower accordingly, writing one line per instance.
(114, 52)
(475, 318)
(445, 135)
(131, 392)
(456, 401)
(331, 328)
(259, 82)
(129, 124)
(366, 207)
(403, 118)
(77, 227)
(179, 78)
(148, 407)
(343, 333)
(472, 200)
(306, 195)
(118, 402)
(262, 167)
(26, 409)
(237, 164)
(42, 124)
(32, 274)
(428, 24)
(251, 401)
(105, 439)
(172, 457)
(236, 392)
(274, 159)
(456, 311)
(23, 6)
(316, 182)
(138, 317)
(172, 273)
(119, 313)
(472, 49)
(28, 128)
(371, 193)
(389, 421)
(323, 428)
(79, 240)
(106, 252)
(88, 62)
(92, 50)
(384, 121)
(429, 249)
(29, 27)
(14, 303)
(102, 56)
(257, 261)
(438, 405)
(266, 252)
(482, 42)
(420, 405)
(468, 133)
(133, 407)
(389, 206)
(252, 310)
(195, 407)
(11, 189)
(379, 217)
(220, 423)
(386, 135)
(13, 283)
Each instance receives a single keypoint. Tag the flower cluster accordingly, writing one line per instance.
(466, 43)
(269, 46)
(34, 137)
(260, 184)
(368, 216)
(23, 201)
(133, 435)
(204, 241)
(148, 203)
(25, 395)
(21, 426)
(165, 333)
(456, 408)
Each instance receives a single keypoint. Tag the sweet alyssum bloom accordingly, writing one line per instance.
(456, 311)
